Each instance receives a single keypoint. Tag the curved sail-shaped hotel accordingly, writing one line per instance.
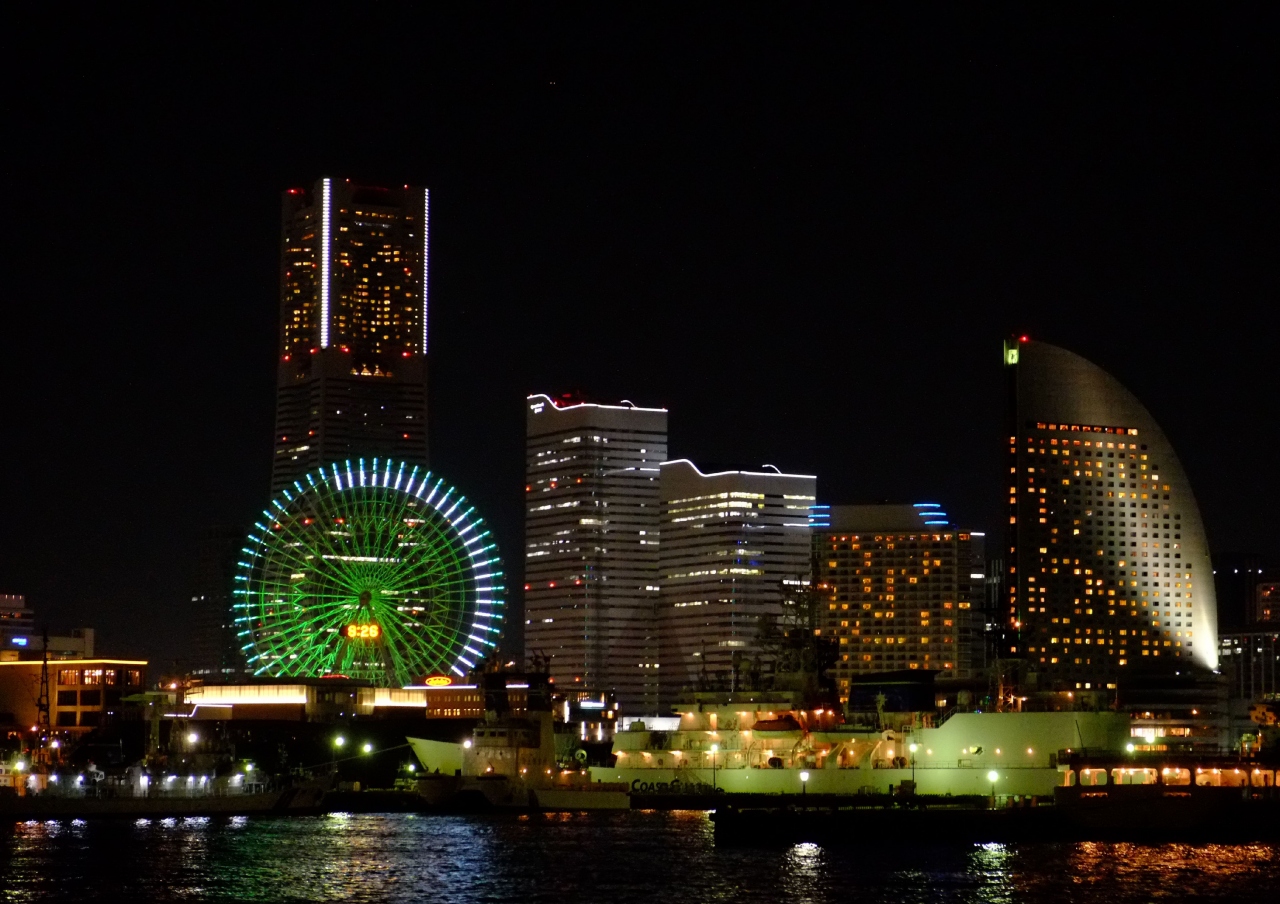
(1108, 572)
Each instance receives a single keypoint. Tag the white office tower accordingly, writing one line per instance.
(735, 544)
(591, 545)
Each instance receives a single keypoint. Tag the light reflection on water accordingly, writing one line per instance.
(616, 857)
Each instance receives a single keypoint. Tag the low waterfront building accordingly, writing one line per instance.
(83, 693)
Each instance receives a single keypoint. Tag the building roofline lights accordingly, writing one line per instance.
(426, 266)
(743, 473)
(63, 663)
(324, 263)
(630, 406)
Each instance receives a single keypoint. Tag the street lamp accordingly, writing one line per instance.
(991, 777)
(804, 782)
(715, 748)
(339, 741)
(913, 748)
(192, 737)
(367, 748)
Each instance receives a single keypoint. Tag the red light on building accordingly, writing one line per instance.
(1024, 338)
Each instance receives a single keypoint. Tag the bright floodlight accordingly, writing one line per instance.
(992, 776)
(372, 569)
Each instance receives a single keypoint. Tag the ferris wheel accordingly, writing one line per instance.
(382, 573)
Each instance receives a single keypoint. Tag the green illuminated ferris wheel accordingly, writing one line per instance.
(383, 573)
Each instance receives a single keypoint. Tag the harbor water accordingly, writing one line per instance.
(622, 857)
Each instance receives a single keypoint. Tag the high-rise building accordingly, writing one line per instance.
(591, 545)
(1236, 578)
(17, 622)
(352, 374)
(735, 547)
(901, 588)
(215, 647)
(1108, 564)
(1267, 603)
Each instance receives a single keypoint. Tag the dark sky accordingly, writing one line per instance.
(804, 232)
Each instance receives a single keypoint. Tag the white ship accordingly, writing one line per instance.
(769, 743)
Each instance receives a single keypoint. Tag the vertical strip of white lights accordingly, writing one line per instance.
(426, 261)
(324, 266)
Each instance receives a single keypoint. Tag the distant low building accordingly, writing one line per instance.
(83, 693)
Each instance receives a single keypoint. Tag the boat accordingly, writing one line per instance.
(511, 761)
(771, 742)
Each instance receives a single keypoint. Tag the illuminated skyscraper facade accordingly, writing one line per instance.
(1108, 567)
(352, 372)
(591, 545)
(735, 547)
(900, 589)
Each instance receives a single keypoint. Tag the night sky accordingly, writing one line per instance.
(806, 234)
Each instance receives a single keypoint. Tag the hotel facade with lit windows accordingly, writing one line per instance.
(352, 370)
(1108, 570)
(899, 586)
(735, 546)
(591, 545)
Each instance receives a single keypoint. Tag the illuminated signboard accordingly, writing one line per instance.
(362, 632)
(439, 681)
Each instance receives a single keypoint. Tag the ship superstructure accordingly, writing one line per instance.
(770, 742)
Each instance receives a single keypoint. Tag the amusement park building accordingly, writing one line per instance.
(352, 371)
(1108, 570)
(591, 545)
(735, 546)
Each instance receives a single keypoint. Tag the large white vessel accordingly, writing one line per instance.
(770, 743)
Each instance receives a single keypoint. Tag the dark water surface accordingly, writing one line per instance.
(618, 858)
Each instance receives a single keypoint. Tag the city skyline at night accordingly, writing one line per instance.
(826, 291)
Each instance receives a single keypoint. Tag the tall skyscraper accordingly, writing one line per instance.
(1108, 565)
(215, 645)
(732, 542)
(591, 544)
(352, 375)
(901, 589)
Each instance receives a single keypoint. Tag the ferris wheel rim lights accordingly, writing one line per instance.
(474, 562)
